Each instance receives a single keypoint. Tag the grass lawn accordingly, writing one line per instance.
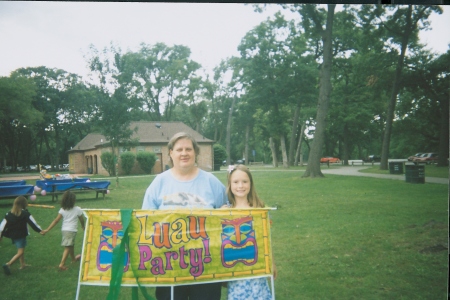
(338, 237)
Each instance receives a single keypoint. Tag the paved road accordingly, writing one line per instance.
(354, 171)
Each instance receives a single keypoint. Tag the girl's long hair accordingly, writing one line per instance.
(252, 197)
(19, 204)
(68, 200)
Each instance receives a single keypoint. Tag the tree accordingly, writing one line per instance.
(267, 66)
(159, 77)
(113, 117)
(310, 14)
(423, 118)
(403, 26)
(52, 89)
(17, 114)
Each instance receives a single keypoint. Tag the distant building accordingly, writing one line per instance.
(85, 157)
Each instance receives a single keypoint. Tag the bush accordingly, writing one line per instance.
(108, 163)
(220, 154)
(127, 160)
(146, 161)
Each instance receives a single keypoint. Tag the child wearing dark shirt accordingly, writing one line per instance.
(14, 226)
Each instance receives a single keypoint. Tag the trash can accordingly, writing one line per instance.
(395, 167)
(90, 171)
(415, 173)
(216, 167)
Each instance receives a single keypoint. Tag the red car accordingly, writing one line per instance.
(330, 159)
(427, 158)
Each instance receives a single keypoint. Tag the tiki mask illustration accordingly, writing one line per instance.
(110, 237)
(238, 242)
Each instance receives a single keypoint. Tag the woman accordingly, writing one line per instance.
(185, 186)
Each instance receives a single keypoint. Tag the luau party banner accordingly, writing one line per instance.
(166, 247)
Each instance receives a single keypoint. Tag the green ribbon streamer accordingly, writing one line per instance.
(117, 263)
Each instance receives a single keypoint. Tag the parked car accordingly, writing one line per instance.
(373, 158)
(64, 167)
(224, 163)
(427, 158)
(412, 157)
(330, 159)
(7, 169)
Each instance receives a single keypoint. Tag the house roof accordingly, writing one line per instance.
(148, 132)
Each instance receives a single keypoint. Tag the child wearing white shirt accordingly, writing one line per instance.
(70, 215)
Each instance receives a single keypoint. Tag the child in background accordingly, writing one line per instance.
(14, 226)
(70, 215)
(242, 194)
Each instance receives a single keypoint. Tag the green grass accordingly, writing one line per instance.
(338, 237)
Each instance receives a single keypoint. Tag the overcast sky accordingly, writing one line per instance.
(57, 34)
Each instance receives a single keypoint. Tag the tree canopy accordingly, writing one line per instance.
(346, 82)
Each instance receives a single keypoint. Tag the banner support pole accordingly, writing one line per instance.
(82, 255)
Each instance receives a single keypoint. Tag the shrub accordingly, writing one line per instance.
(108, 162)
(220, 154)
(127, 160)
(146, 161)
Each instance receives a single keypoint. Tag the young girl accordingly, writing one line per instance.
(242, 194)
(70, 215)
(14, 226)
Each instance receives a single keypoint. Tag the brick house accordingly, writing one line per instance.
(85, 157)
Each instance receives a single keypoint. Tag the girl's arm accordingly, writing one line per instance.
(2, 227)
(32, 222)
(55, 221)
(81, 221)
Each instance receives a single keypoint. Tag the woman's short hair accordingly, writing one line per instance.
(183, 135)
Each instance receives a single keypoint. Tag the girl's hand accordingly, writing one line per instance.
(43, 232)
(225, 206)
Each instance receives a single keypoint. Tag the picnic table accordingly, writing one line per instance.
(49, 188)
(56, 187)
(12, 191)
(12, 182)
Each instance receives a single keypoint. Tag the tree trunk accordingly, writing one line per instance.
(274, 152)
(394, 93)
(228, 142)
(247, 136)
(298, 154)
(293, 134)
(345, 151)
(443, 153)
(283, 151)
(313, 168)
